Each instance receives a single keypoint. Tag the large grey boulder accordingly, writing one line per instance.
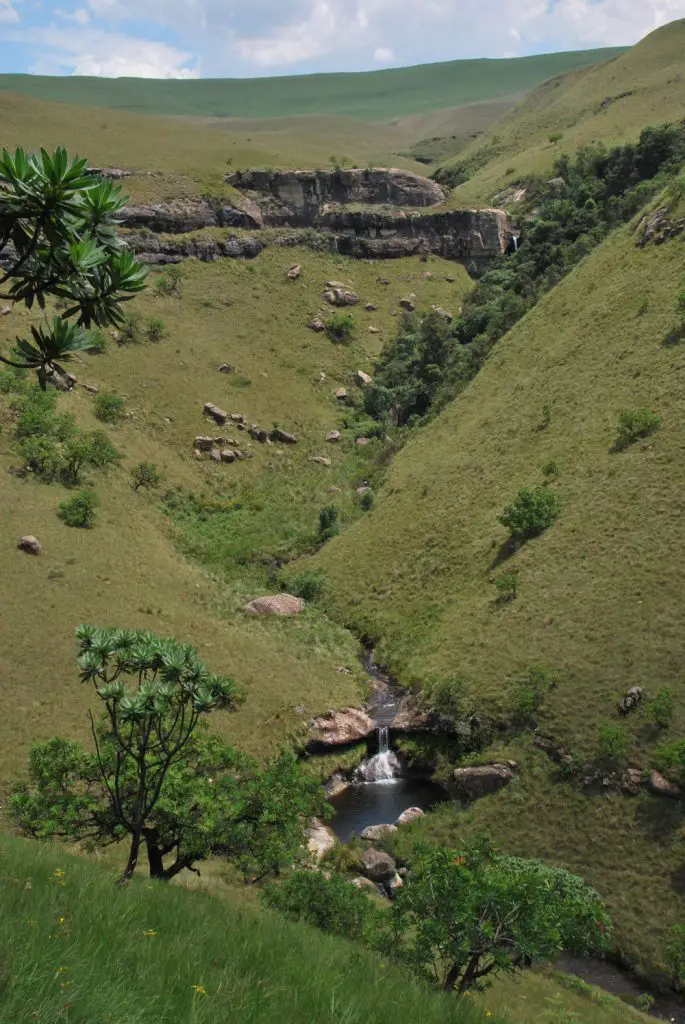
(30, 544)
(377, 865)
(411, 814)
(375, 833)
(338, 728)
(278, 604)
(481, 780)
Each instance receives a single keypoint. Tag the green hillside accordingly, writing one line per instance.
(369, 96)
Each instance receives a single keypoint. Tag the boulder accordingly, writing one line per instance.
(336, 785)
(282, 436)
(316, 325)
(320, 840)
(630, 700)
(5, 311)
(338, 728)
(225, 368)
(374, 833)
(341, 394)
(444, 314)
(278, 604)
(408, 304)
(377, 865)
(215, 413)
(364, 883)
(237, 417)
(228, 455)
(370, 308)
(450, 278)
(258, 434)
(362, 441)
(362, 379)
(215, 455)
(394, 883)
(553, 751)
(631, 781)
(320, 460)
(336, 284)
(294, 272)
(411, 814)
(202, 443)
(660, 786)
(30, 544)
(374, 330)
(340, 297)
(333, 436)
(478, 781)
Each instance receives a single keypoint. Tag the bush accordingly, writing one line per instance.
(99, 343)
(367, 501)
(169, 283)
(145, 474)
(331, 904)
(529, 696)
(109, 408)
(447, 697)
(613, 744)
(661, 708)
(328, 522)
(531, 513)
(309, 584)
(129, 333)
(339, 326)
(507, 586)
(669, 758)
(555, 137)
(43, 456)
(156, 329)
(87, 450)
(80, 510)
(550, 469)
(635, 424)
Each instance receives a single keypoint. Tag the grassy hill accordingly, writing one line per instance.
(610, 102)
(369, 96)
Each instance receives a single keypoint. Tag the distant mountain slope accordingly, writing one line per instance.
(369, 96)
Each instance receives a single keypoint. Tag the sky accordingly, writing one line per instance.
(245, 38)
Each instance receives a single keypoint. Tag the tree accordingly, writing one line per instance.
(468, 915)
(60, 223)
(675, 954)
(148, 725)
(531, 512)
(331, 903)
(145, 474)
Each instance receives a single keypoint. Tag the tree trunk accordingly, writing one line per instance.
(451, 978)
(132, 859)
(469, 974)
(154, 859)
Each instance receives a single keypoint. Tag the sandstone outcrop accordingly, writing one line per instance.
(278, 604)
(320, 840)
(30, 544)
(473, 783)
(375, 833)
(660, 786)
(338, 728)
(411, 814)
(150, 248)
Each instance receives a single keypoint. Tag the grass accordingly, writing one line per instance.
(77, 950)
(369, 96)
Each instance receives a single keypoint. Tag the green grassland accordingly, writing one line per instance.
(610, 102)
(369, 96)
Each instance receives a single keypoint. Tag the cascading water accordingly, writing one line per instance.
(385, 765)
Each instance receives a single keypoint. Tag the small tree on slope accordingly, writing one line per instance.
(58, 239)
(154, 777)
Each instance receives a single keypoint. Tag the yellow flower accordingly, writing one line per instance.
(58, 874)
(149, 933)
(60, 970)
(199, 990)
(61, 920)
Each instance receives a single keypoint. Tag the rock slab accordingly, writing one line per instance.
(278, 604)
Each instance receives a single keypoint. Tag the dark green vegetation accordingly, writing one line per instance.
(371, 95)
(74, 948)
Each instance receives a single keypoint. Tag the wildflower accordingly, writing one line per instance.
(61, 920)
(149, 933)
(60, 970)
(58, 873)
(199, 990)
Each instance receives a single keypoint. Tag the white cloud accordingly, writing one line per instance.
(382, 55)
(8, 13)
(80, 16)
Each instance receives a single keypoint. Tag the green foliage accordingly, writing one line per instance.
(332, 904)
(109, 408)
(79, 511)
(170, 282)
(156, 329)
(669, 758)
(661, 707)
(367, 501)
(98, 343)
(309, 584)
(468, 915)
(675, 954)
(339, 326)
(447, 697)
(62, 224)
(613, 743)
(531, 513)
(555, 138)
(546, 417)
(635, 424)
(328, 522)
(94, 450)
(529, 696)
(130, 331)
(145, 474)
(550, 469)
(507, 586)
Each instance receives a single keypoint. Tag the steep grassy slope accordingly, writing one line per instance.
(370, 96)
(611, 102)
(243, 516)
(599, 594)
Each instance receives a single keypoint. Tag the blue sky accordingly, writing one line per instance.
(225, 38)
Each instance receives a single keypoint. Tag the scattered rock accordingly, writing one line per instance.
(283, 436)
(374, 330)
(364, 883)
(202, 443)
(278, 604)
(92, 389)
(334, 490)
(336, 785)
(320, 840)
(317, 325)
(361, 441)
(295, 272)
(478, 781)
(382, 280)
(215, 413)
(333, 436)
(411, 814)
(215, 455)
(377, 865)
(225, 368)
(557, 183)
(341, 394)
(427, 275)
(338, 728)
(374, 833)
(5, 311)
(630, 700)
(258, 434)
(631, 781)
(362, 490)
(394, 883)
(450, 278)
(340, 297)
(228, 455)
(237, 417)
(370, 308)
(335, 284)
(444, 314)
(31, 545)
(362, 379)
(408, 304)
(321, 460)
(556, 753)
(661, 786)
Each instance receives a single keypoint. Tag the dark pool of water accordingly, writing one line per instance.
(381, 803)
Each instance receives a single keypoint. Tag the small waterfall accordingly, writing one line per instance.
(515, 240)
(385, 766)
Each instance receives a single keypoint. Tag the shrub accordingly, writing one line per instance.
(546, 416)
(309, 584)
(328, 522)
(367, 501)
(675, 954)
(80, 510)
(339, 326)
(129, 332)
(669, 758)
(635, 424)
(531, 512)
(156, 328)
(109, 408)
(145, 474)
(169, 283)
(529, 696)
(550, 469)
(613, 744)
(98, 342)
(661, 708)
(447, 697)
(331, 904)
(42, 455)
(507, 586)
(555, 138)
(87, 450)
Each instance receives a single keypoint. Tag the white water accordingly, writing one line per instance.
(385, 766)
